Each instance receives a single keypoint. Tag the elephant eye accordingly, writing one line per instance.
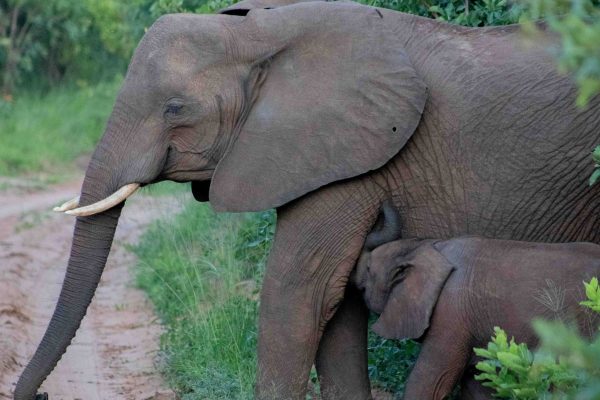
(173, 110)
(399, 273)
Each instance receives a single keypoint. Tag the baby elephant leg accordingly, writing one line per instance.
(470, 389)
(445, 353)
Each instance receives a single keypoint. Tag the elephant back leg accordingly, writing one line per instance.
(342, 356)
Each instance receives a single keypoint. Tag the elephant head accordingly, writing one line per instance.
(404, 282)
(255, 110)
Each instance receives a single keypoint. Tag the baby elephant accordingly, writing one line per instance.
(451, 294)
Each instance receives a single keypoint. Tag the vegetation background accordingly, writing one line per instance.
(61, 64)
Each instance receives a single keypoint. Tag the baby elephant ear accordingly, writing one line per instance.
(411, 302)
(340, 98)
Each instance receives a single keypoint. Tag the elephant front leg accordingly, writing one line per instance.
(317, 242)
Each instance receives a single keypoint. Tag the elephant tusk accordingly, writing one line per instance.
(104, 204)
(67, 205)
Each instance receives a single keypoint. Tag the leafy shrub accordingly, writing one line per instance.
(592, 292)
(513, 371)
(566, 365)
(462, 12)
(53, 40)
(578, 24)
(45, 41)
(160, 7)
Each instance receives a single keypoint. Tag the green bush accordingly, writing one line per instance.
(513, 371)
(462, 12)
(592, 292)
(566, 366)
(578, 24)
(46, 132)
(44, 43)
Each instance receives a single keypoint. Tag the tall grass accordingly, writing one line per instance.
(46, 132)
(203, 273)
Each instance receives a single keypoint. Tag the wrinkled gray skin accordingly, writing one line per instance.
(323, 110)
(452, 293)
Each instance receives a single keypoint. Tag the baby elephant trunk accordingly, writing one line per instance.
(391, 227)
(387, 229)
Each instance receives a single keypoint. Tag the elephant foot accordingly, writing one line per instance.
(43, 396)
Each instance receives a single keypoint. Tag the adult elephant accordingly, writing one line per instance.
(323, 110)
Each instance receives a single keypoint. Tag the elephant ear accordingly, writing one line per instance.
(340, 97)
(408, 310)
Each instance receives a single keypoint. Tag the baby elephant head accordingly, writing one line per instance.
(404, 281)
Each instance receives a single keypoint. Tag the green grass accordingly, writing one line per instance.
(203, 273)
(390, 361)
(45, 133)
(166, 188)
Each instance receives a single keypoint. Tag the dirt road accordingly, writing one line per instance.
(114, 354)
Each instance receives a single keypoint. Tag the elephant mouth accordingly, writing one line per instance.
(200, 180)
(185, 175)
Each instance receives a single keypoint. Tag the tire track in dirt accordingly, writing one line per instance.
(114, 354)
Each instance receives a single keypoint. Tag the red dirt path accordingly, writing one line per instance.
(114, 354)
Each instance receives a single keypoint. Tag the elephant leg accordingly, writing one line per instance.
(438, 369)
(470, 389)
(317, 242)
(444, 355)
(342, 355)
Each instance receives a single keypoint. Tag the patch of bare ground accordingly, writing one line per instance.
(114, 355)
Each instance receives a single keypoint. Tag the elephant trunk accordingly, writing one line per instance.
(92, 239)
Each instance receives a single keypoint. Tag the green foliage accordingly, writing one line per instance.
(462, 12)
(592, 292)
(566, 366)
(582, 357)
(514, 373)
(161, 7)
(390, 362)
(44, 41)
(46, 132)
(578, 23)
